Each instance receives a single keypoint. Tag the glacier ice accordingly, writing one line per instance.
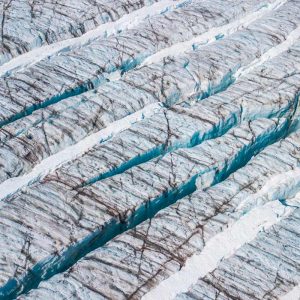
(149, 149)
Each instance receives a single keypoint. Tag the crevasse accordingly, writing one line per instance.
(55, 264)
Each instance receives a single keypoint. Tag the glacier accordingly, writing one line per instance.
(150, 149)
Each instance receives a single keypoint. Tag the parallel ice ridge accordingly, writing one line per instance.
(124, 164)
(193, 76)
(134, 262)
(26, 25)
(76, 71)
(267, 254)
(128, 20)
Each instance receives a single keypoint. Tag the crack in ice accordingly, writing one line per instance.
(132, 63)
(12, 185)
(55, 264)
(128, 21)
(213, 34)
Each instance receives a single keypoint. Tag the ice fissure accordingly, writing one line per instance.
(150, 149)
(60, 262)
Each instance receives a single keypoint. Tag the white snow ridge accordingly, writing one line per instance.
(150, 149)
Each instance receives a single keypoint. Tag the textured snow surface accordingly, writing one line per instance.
(150, 149)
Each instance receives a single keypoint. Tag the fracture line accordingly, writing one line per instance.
(124, 23)
(51, 163)
(212, 34)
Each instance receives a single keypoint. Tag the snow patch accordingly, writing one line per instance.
(282, 186)
(273, 52)
(294, 294)
(221, 246)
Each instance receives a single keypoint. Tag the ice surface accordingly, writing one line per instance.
(150, 149)
(189, 77)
